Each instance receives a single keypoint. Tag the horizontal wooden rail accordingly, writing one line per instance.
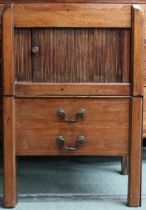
(44, 89)
(72, 15)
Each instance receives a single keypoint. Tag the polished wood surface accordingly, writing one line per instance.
(77, 1)
(106, 126)
(83, 65)
(144, 114)
(124, 165)
(138, 50)
(144, 64)
(26, 89)
(101, 1)
(134, 195)
(113, 113)
(10, 195)
(73, 55)
(134, 186)
(8, 51)
(72, 15)
(1, 124)
(1, 12)
(144, 75)
(23, 46)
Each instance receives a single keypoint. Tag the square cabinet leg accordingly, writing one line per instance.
(10, 195)
(124, 165)
(134, 192)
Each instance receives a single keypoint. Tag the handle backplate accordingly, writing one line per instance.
(79, 115)
(60, 140)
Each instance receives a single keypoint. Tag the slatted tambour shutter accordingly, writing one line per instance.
(72, 49)
(73, 55)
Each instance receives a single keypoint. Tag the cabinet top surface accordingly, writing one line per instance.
(76, 1)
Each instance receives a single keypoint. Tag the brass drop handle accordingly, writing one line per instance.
(61, 142)
(62, 115)
(35, 49)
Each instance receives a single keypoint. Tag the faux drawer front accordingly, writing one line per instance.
(105, 126)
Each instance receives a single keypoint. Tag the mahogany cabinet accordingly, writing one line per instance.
(142, 2)
(72, 85)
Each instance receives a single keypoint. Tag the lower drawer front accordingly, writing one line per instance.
(105, 126)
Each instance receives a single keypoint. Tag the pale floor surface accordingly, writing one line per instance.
(73, 184)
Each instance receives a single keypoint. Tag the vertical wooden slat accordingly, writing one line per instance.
(23, 55)
(79, 55)
(125, 56)
(134, 195)
(10, 196)
(8, 51)
(138, 49)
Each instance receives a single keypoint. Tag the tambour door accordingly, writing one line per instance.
(72, 49)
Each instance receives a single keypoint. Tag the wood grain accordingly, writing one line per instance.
(10, 197)
(73, 55)
(124, 165)
(138, 49)
(72, 15)
(105, 126)
(144, 64)
(23, 61)
(8, 51)
(77, 1)
(134, 194)
(1, 13)
(144, 59)
(33, 121)
(144, 6)
(85, 89)
(79, 55)
(144, 114)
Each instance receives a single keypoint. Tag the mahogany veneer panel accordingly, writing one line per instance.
(106, 126)
(73, 55)
(72, 15)
(26, 89)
